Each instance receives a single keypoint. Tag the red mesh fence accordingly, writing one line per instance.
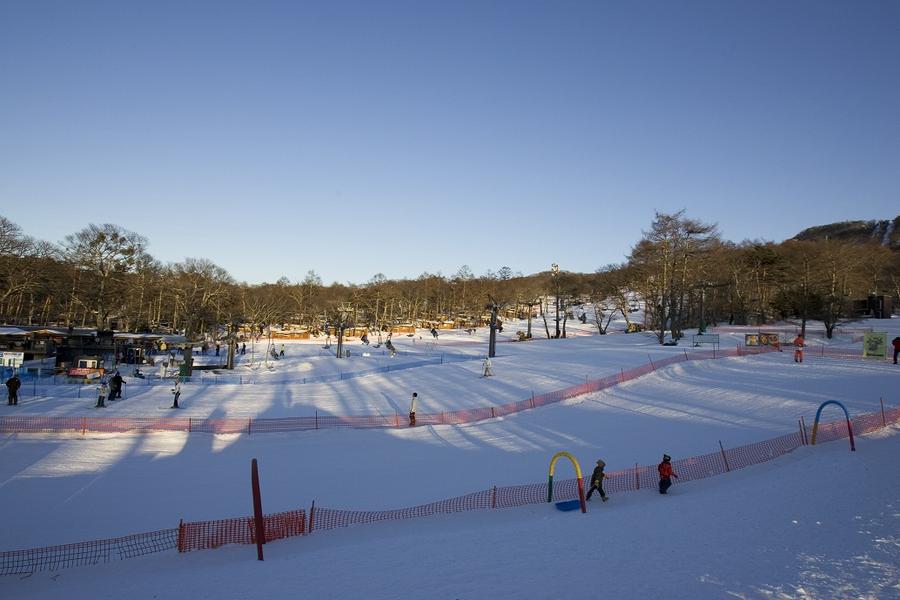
(327, 518)
(203, 535)
(212, 534)
(626, 480)
(87, 553)
(38, 424)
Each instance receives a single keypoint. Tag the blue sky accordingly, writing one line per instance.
(355, 138)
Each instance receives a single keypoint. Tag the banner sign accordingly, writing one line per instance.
(875, 344)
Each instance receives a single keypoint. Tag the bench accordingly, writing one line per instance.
(706, 338)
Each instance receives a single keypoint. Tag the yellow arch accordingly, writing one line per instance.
(555, 458)
(559, 455)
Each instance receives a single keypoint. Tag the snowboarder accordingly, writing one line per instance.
(896, 344)
(14, 383)
(597, 481)
(177, 391)
(434, 332)
(115, 386)
(412, 409)
(486, 366)
(102, 393)
(798, 348)
(390, 347)
(665, 474)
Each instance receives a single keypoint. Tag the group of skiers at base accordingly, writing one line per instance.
(111, 389)
(665, 477)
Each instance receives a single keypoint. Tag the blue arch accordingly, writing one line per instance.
(846, 414)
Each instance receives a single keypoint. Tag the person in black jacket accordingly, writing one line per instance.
(597, 481)
(12, 387)
(115, 386)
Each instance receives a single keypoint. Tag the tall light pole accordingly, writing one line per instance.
(554, 273)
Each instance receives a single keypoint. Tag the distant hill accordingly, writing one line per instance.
(886, 233)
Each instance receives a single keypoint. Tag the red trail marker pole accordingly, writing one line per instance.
(257, 510)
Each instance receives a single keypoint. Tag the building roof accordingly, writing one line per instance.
(13, 331)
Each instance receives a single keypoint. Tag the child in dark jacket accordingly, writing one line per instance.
(597, 481)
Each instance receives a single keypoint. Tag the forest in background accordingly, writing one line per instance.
(681, 272)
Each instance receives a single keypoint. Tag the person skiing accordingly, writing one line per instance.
(896, 344)
(282, 351)
(798, 348)
(14, 383)
(597, 481)
(665, 474)
(486, 366)
(102, 393)
(243, 348)
(177, 391)
(115, 386)
(434, 332)
(412, 409)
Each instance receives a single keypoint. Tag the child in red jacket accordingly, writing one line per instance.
(665, 474)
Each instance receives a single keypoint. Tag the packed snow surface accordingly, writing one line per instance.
(821, 522)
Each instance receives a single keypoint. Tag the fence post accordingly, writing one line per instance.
(494, 497)
(724, 458)
(637, 477)
(883, 421)
(312, 511)
(652, 366)
(181, 535)
(532, 398)
(257, 510)
(317, 419)
(189, 424)
(803, 425)
(800, 427)
(685, 354)
(249, 422)
(83, 425)
(492, 412)
(621, 375)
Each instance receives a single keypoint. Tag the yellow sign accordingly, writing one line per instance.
(875, 344)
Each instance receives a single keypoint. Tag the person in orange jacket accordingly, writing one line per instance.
(665, 474)
(798, 348)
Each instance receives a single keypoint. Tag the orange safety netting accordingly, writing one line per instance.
(202, 535)
(37, 424)
(212, 534)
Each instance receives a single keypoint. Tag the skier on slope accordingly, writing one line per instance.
(102, 393)
(665, 474)
(597, 478)
(799, 342)
(177, 391)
